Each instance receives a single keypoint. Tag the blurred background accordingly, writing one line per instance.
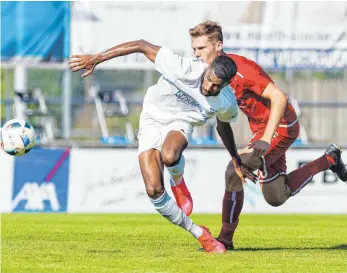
(86, 162)
(303, 46)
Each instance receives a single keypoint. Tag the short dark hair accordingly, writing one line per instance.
(224, 68)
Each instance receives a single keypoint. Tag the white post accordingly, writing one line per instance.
(21, 86)
(1, 103)
(66, 100)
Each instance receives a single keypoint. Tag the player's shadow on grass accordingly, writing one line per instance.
(339, 247)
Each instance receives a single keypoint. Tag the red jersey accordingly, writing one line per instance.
(249, 83)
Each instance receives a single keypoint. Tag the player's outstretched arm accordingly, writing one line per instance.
(89, 61)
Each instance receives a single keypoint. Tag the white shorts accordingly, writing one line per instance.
(152, 133)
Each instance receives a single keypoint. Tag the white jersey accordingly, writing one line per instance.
(177, 95)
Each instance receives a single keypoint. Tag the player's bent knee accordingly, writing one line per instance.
(251, 162)
(275, 201)
(275, 192)
(154, 192)
(170, 157)
(229, 171)
(232, 181)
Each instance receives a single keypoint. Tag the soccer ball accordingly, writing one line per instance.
(17, 137)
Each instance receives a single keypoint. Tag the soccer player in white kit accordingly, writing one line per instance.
(188, 93)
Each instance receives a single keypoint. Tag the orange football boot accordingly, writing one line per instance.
(183, 198)
(210, 244)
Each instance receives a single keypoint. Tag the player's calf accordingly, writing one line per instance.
(168, 209)
(331, 159)
(154, 188)
(176, 171)
(182, 196)
(231, 208)
(151, 169)
(179, 188)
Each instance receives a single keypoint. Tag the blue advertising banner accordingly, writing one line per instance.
(39, 30)
(41, 180)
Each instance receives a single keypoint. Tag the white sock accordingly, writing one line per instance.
(166, 206)
(176, 172)
(196, 231)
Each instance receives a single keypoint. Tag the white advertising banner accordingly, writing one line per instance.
(307, 48)
(97, 26)
(6, 181)
(110, 181)
(290, 36)
(258, 36)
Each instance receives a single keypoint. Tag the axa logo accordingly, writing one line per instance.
(35, 195)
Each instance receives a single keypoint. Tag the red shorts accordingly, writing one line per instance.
(274, 162)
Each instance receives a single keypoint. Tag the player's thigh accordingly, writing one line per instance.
(150, 134)
(275, 192)
(173, 146)
(272, 175)
(177, 135)
(249, 160)
(152, 172)
(232, 180)
(281, 141)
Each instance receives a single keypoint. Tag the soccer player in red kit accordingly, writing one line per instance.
(275, 127)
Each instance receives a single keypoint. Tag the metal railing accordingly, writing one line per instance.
(323, 103)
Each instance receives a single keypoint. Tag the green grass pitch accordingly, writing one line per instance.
(149, 243)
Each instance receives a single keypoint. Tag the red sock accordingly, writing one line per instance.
(232, 206)
(298, 179)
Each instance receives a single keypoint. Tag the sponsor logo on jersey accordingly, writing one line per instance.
(182, 96)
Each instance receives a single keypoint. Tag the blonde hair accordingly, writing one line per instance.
(209, 28)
